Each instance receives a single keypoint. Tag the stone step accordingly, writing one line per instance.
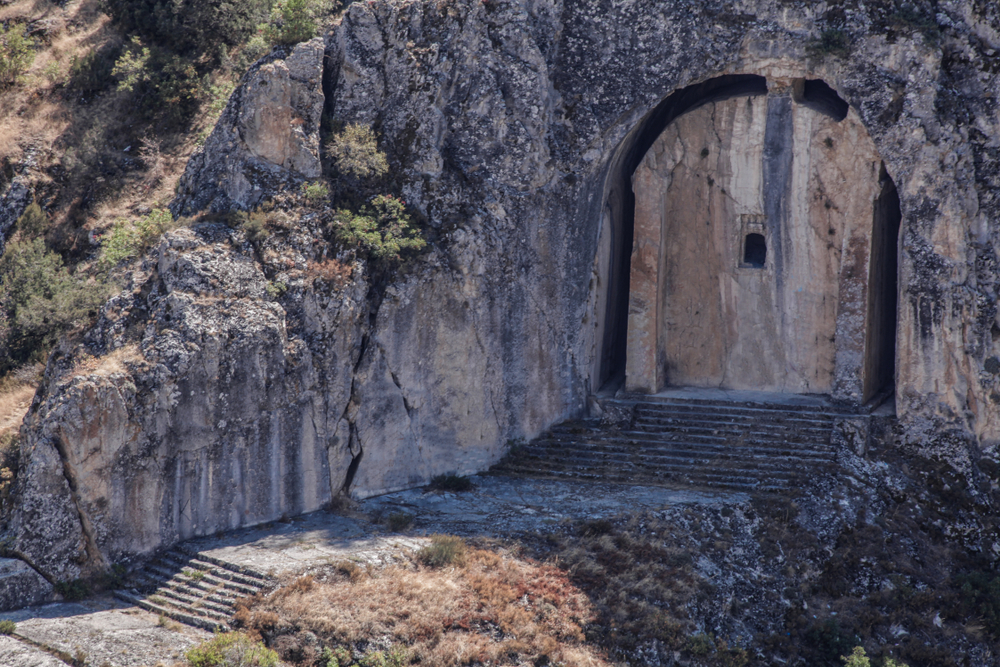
(214, 577)
(749, 483)
(641, 439)
(809, 408)
(626, 442)
(195, 597)
(194, 620)
(748, 446)
(693, 458)
(692, 464)
(193, 588)
(731, 421)
(710, 411)
(250, 576)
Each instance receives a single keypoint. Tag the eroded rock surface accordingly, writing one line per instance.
(267, 136)
(508, 127)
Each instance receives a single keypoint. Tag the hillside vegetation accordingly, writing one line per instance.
(101, 104)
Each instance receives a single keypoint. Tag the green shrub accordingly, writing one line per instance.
(443, 550)
(232, 649)
(828, 642)
(128, 239)
(980, 596)
(452, 482)
(355, 152)
(8, 627)
(132, 67)
(39, 300)
(294, 21)
(911, 18)
(34, 221)
(275, 288)
(315, 192)
(17, 52)
(397, 656)
(189, 25)
(832, 41)
(383, 231)
(700, 645)
(92, 73)
(338, 657)
(71, 591)
(253, 223)
(398, 521)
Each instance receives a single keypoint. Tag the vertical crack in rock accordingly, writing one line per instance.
(94, 555)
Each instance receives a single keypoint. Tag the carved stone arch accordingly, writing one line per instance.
(806, 313)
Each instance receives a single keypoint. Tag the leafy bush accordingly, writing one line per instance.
(452, 482)
(232, 649)
(92, 73)
(443, 550)
(912, 18)
(129, 239)
(828, 642)
(315, 192)
(77, 589)
(189, 24)
(16, 53)
(355, 152)
(164, 84)
(294, 21)
(39, 300)
(9, 459)
(832, 41)
(398, 521)
(383, 231)
(397, 656)
(8, 627)
(980, 596)
(857, 658)
(33, 222)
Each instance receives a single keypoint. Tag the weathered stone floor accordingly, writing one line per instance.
(99, 631)
(111, 633)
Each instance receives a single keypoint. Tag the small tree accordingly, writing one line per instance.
(39, 300)
(16, 53)
(355, 152)
(383, 231)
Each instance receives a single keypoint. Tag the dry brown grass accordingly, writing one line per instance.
(116, 361)
(330, 271)
(17, 389)
(75, 136)
(496, 609)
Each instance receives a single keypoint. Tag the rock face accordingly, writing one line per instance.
(12, 205)
(514, 129)
(20, 586)
(267, 136)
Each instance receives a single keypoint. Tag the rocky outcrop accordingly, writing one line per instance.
(267, 137)
(512, 128)
(20, 586)
(12, 204)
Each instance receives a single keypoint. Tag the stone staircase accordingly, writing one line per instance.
(741, 446)
(192, 588)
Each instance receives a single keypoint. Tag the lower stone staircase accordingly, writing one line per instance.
(192, 588)
(658, 440)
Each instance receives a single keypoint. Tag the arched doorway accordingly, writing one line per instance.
(761, 230)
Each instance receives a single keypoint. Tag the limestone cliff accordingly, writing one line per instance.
(511, 126)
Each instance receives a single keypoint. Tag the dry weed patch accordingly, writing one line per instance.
(495, 609)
